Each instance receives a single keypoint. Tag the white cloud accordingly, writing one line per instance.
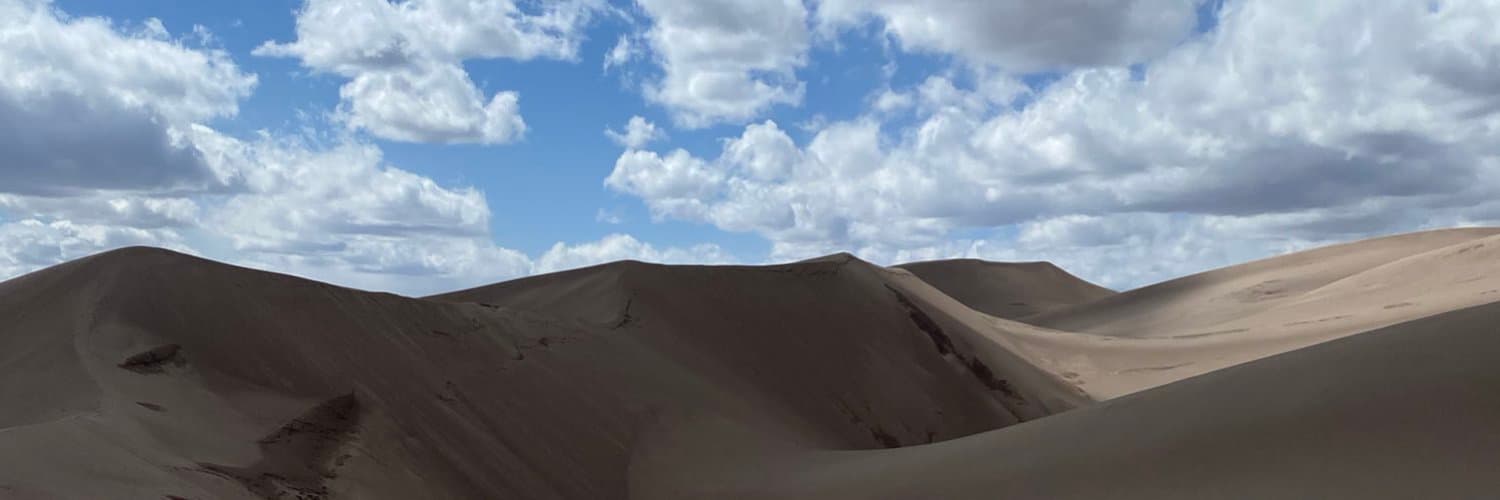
(609, 216)
(429, 103)
(624, 247)
(888, 101)
(1022, 35)
(105, 207)
(763, 153)
(725, 60)
(62, 144)
(675, 185)
(48, 56)
(1276, 123)
(404, 61)
(336, 213)
(1292, 124)
(28, 244)
(107, 149)
(623, 51)
(343, 215)
(78, 119)
(638, 133)
(302, 197)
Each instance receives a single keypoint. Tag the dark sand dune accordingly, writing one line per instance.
(143, 373)
(1408, 411)
(1008, 290)
(191, 378)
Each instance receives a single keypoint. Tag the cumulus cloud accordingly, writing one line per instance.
(888, 101)
(61, 144)
(404, 61)
(28, 244)
(298, 196)
(725, 60)
(625, 247)
(45, 55)
(676, 185)
(336, 212)
(638, 133)
(106, 207)
(1271, 124)
(429, 103)
(343, 214)
(77, 119)
(1022, 35)
(106, 146)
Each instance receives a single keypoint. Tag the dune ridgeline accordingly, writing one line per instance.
(1368, 369)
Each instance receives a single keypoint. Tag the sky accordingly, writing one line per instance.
(420, 146)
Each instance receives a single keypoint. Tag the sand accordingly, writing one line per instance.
(1007, 289)
(1362, 370)
(1408, 411)
(1184, 327)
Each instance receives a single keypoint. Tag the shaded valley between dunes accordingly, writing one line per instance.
(1361, 370)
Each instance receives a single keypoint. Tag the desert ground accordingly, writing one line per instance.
(1369, 369)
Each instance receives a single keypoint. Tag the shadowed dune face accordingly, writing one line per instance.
(734, 317)
(1403, 412)
(1009, 290)
(35, 347)
(219, 380)
(829, 378)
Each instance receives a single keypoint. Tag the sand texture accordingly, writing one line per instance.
(1369, 369)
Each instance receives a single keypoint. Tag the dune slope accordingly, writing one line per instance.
(1007, 289)
(1203, 300)
(143, 373)
(1158, 334)
(743, 316)
(1407, 411)
(196, 379)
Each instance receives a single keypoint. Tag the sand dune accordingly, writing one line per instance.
(1408, 411)
(202, 380)
(143, 373)
(1007, 289)
(1173, 330)
(1203, 300)
(837, 302)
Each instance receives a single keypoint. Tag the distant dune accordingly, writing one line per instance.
(1008, 290)
(1362, 370)
(1183, 327)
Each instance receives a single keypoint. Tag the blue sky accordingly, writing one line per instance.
(1125, 140)
(549, 183)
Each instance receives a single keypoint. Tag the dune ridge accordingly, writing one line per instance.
(1330, 421)
(458, 399)
(1330, 372)
(1180, 328)
(1008, 290)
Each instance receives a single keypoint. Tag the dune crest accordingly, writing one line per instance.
(204, 375)
(1329, 421)
(1180, 328)
(1010, 290)
(1330, 372)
